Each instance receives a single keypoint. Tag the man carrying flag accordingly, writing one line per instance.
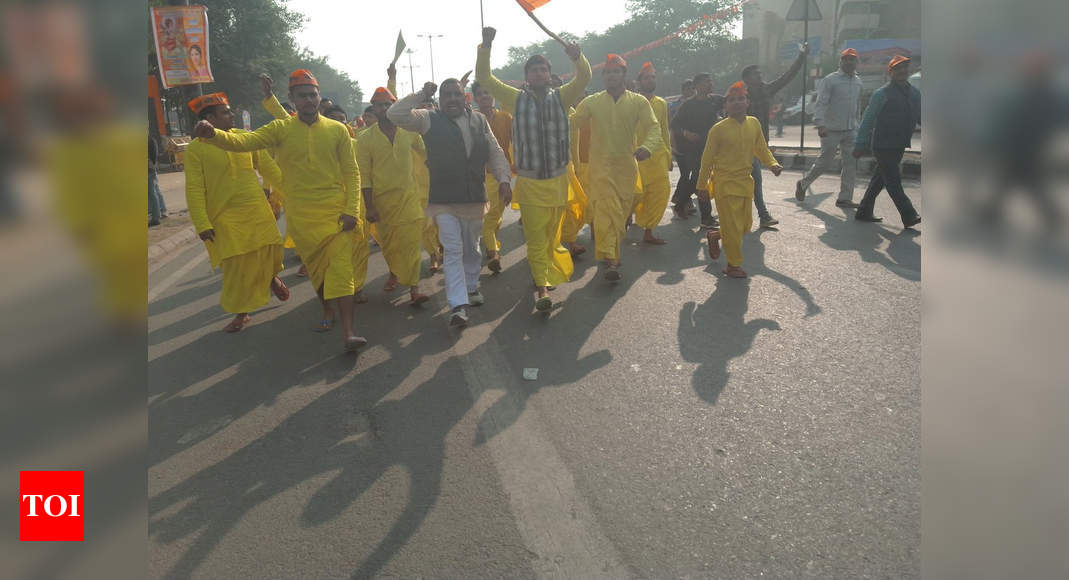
(619, 120)
(541, 154)
(322, 183)
(386, 153)
(656, 186)
(232, 216)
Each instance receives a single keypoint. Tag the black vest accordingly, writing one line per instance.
(455, 177)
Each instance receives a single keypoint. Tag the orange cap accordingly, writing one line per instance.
(896, 60)
(647, 68)
(848, 52)
(383, 95)
(737, 89)
(615, 60)
(302, 76)
(204, 101)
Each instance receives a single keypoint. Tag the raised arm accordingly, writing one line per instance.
(391, 79)
(576, 88)
(266, 137)
(774, 86)
(504, 94)
(406, 115)
(270, 102)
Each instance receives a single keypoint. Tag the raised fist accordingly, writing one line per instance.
(204, 130)
(488, 36)
(429, 89)
(572, 50)
(391, 72)
(267, 84)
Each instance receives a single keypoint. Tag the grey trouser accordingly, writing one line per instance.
(832, 142)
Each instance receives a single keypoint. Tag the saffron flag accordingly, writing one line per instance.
(399, 48)
(530, 5)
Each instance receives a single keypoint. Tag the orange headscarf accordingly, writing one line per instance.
(896, 60)
(615, 60)
(204, 101)
(383, 95)
(848, 52)
(303, 77)
(737, 89)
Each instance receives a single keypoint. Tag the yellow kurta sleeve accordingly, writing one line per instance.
(419, 147)
(760, 147)
(660, 109)
(706, 171)
(648, 129)
(573, 139)
(574, 89)
(363, 161)
(275, 108)
(504, 94)
(196, 188)
(350, 173)
(268, 169)
(391, 85)
(266, 137)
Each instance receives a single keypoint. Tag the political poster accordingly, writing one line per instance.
(181, 35)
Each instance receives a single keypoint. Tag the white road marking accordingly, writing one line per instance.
(175, 276)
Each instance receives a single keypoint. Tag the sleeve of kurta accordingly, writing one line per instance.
(275, 108)
(405, 115)
(823, 98)
(196, 190)
(504, 94)
(706, 171)
(662, 120)
(760, 148)
(268, 169)
(573, 139)
(266, 137)
(391, 85)
(868, 120)
(363, 159)
(419, 146)
(648, 129)
(576, 88)
(350, 175)
(499, 164)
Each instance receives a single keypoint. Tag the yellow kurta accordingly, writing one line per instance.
(617, 128)
(388, 172)
(501, 127)
(278, 198)
(361, 246)
(322, 182)
(653, 174)
(541, 201)
(728, 159)
(422, 177)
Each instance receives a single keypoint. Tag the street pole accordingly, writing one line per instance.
(805, 74)
(411, 78)
(430, 44)
(482, 21)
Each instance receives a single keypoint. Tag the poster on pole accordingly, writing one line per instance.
(181, 35)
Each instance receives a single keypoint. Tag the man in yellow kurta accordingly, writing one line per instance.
(730, 148)
(232, 215)
(393, 201)
(501, 126)
(361, 247)
(422, 178)
(322, 183)
(623, 129)
(540, 134)
(656, 186)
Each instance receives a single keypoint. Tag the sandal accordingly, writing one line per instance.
(302, 272)
(354, 342)
(325, 325)
(544, 304)
(419, 298)
(237, 324)
(391, 285)
(713, 238)
(280, 289)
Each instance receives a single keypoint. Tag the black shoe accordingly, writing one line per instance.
(867, 218)
(691, 210)
(710, 223)
(846, 203)
(768, 221)
(799, 190)
(680, 212)
(153, 223)
(912, 221)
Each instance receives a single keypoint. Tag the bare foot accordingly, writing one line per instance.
(434, 264)
(391, 284)
(238, 323)
(577, 249)
(417, 297)
(650, 239)
(359, 298)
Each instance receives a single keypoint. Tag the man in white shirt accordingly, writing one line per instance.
(460, 149)
(836, 119)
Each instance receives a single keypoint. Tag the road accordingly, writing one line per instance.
(682, 424)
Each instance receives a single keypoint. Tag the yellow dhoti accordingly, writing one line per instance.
(431, 244)
(655, 191)
(325, 250)
(611, 197)
(401, 245)
(736, 219)
(247, 279)
(551, 263)
(492, 219)
(575, 214)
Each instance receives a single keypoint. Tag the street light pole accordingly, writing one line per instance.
(430, 43)
(411, 78)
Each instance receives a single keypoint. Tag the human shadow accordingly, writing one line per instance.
(754, 253)
(715, 332)
(847, 235)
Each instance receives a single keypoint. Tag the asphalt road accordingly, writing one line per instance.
(682, 424)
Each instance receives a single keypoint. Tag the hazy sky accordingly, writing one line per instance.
(358, 37)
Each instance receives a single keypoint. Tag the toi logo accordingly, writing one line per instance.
(51, 506)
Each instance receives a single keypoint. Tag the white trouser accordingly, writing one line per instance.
(463, 261)
(832, 142)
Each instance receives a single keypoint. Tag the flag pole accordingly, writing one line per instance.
(482, 20)
(547, 31)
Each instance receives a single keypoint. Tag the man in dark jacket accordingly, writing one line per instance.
(690, 125)
(886, 129)
(761, 94)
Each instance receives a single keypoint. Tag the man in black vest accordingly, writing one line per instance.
(460, 149)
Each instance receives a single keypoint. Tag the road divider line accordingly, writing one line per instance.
(175, 276)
